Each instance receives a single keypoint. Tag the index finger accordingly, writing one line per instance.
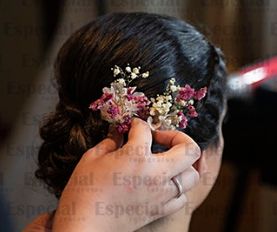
(171, 138)
(182, 154)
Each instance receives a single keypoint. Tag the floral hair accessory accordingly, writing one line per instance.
(119, 103)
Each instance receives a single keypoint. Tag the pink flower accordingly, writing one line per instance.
(131, 90)
(122, 128)
(201, 93)
(192, 112)
(106, 97)
(143, 113)
(98, 104)
(184, 121)
(125, 126)
(185, 93)
(113, 110)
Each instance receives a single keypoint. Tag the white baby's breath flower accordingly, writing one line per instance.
(145, 75)
(173, 88)
(121, 81)
(116, 71)
(168, 105)
(168, 121)
(136, 70)
(160, 98)
(166, 110)
(156, 105)
(191, 102)
(172, 81)
(128, 69)
(163, 110)
(168, 98)
(133, 76)
(162, 104)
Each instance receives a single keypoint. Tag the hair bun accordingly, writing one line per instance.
(73, 113)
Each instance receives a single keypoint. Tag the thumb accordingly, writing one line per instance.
(140, 133)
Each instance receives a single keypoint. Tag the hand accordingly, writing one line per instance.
(109, 199)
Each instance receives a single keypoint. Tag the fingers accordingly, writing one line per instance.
(178, 158)
(113, 141)
(187, 179)
(182, 154)
(174, 205)
(139, 134)
(170, 203)
(170, 138)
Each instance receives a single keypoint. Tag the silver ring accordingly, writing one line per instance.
(178, 185)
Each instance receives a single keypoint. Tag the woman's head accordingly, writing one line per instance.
(165, 46)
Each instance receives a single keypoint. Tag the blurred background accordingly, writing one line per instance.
(31, 31)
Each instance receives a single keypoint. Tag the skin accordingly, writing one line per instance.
(208, 167)
(111, 156)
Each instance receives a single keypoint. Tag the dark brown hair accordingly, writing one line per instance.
(166, 46)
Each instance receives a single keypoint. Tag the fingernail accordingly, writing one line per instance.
(135, 120)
